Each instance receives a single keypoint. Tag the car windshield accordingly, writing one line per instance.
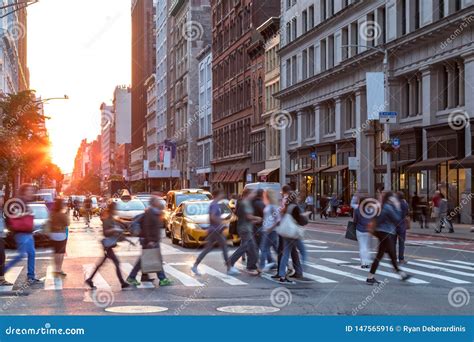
(39, 212)
(44, 197)
(189, 197)
(130, 205)
(202, 208)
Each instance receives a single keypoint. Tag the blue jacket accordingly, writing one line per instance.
(360, 221)
(402, 225)
(388, 219)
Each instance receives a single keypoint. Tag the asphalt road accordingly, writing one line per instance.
(442, 269)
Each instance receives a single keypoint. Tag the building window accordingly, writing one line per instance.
(350, 109)
(311, 60)
(310, 124)
(311, 16)
(293, 130)
(330, 118)
(304, 64)
(304, 22)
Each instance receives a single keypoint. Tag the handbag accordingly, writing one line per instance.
(109, 242)
(21, 224)
(288, 228)
(351, 231)
(151, 260)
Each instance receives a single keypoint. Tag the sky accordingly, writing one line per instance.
(79, 48)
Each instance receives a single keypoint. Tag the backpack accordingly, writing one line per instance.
(136, 225)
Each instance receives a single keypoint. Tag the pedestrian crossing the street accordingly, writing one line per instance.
(323, 271)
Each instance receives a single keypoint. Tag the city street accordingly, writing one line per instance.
(335, 284)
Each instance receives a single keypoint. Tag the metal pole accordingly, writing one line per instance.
(388, 156)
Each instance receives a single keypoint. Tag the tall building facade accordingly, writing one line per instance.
(237, 93)
(189, 29)
(327, 49)
(204, 141)
(122, 109)
(108, 142)
(143, 65)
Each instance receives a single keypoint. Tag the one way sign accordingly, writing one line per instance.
(388, 117)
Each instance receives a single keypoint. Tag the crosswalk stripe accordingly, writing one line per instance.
(330, 251)
(98, 280)
(434, 267)
(316, 241)
(387, 274)
(432, 275)
(127, 268)
(50, 282)
(463, 262)
(11, 276)
(315, 246)
(319, 279)
(219, 275)
(330, 270)
(185, 279)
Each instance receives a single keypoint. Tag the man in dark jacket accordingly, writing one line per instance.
(150, 237)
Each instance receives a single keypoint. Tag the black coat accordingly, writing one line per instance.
(151, 227)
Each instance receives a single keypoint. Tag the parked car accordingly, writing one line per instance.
(128, 208)
(41, 216)
(265, 186)
(46, 197)
(175, 197)
(191, 220)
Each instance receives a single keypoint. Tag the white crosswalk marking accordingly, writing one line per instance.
(185, 279)
(315, 246)
(319, 279)
(219, 275)
(444, 269)
(463, 263)
(11, 276)
(330, 270)
(50, 282)
(127, 268)
(98, 280)
(428, 274)
(387, 274)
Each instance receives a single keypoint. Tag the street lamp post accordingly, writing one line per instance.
(385, 66)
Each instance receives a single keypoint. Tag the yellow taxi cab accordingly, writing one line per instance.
(175, 197)
(190, 223)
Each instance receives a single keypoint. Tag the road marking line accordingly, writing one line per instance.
(98, 280)
(463, 262)
(50, 282)
(185, 279)
(127, 268)
(434, 267)
(387, 274)
(432, 275)
(330, 251)
(314, 246)
(11, 276)
(316, 241)
(219, 275)
(330, 270)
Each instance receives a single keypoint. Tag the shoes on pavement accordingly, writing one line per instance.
(133, 281)
(233, 271)
(365, 266)
(402, 262)
(34, 281)
(126, 286)
(5, 283)
(284, 280)
(297, 276)
(253, 272)
(405, 276)
(195, 270)
(372, 281)
(276, 276)
(165, 282)
(90, 283)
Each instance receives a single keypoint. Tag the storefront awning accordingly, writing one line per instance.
(311, 172)
(428, 164)
(465, 163)
(266, 172)
(296, 173)
(394, 166)
(219, 176)
(336, 169)
(236, 176)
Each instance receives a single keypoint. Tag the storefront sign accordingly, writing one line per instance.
(353, 163)
(314, 155)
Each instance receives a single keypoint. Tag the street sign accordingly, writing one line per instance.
(314, 155)
(249, 178)
(353, 163)
(396, 142)
(388, 117)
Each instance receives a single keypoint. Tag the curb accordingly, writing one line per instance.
(408, 232)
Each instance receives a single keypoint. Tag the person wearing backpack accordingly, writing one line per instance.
(294, 244)
(150, 237)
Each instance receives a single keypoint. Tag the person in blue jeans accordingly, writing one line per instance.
(269, 237)
(402, 228)
(25, 242)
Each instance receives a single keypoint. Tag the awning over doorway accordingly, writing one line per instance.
(394, 165)
(311, 172)
(219, 176)
(465, 163)
(234, 176)
(295, 173)
(336, 168)
(266, 172)
(428, 164)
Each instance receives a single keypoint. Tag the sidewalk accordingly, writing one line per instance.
(461, 231)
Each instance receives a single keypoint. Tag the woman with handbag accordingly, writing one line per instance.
(364, 238)
(385, 231)
(290, 230)
(57, 226)
(112, 234)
